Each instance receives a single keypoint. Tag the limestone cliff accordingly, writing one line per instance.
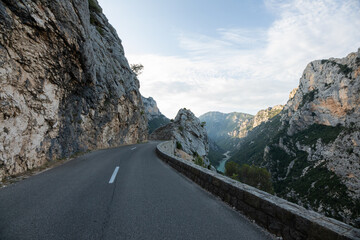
(189, 134)
(312, 148)
(155, 118)
(228, 129)
(65, 84)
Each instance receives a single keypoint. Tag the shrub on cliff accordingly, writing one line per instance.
(252, 175)
(178, 145)
(94, 6)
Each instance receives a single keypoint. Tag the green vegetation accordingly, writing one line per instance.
(320, 188)
(93, 6)
(203, 124)
(314, 187)
(357, 60)
(344, 69)
(181, 128)
(252, 147)
(215, 156)
(97, 24)
(156, 123)
(308, 97)
(199, 161)
(310, 135)
(100, 30)
(178, 145)
(251, 175)
(274, 112)
(219, 124)
(232, 169)
(137, 68)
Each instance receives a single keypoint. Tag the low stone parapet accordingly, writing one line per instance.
(277, 215)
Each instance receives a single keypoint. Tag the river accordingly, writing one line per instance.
(221, 167)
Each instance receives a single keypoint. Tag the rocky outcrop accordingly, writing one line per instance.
(188, 133)
(328, 94)
(265, 115)
(155, 118)
(312, 148)
(65, 84)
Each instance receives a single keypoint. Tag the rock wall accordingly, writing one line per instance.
(155, 118)
(189, 134)
(328, 94)
(65, 84)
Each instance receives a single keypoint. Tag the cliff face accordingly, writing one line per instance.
(65, 86)
(155, 118)
(312, 148)
(188, 132)
(228, 129)
(220, 125)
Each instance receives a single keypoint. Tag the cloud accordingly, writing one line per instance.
(250, 69)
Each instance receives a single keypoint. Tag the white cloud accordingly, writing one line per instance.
(247, 70)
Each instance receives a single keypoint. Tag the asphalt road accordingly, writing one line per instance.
(147, 200)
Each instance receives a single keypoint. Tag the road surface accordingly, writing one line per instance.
(119, 193)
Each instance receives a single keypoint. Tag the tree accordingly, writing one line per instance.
(232, 169)
(252, 175)
(137, 68)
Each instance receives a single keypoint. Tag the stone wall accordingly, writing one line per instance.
(277, 215)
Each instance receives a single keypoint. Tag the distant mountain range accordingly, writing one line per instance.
(311, 146)
(226, 130)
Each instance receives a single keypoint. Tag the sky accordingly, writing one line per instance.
(229, 55)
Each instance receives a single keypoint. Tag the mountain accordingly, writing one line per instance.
(190, 136)
(226, 130)
(155, 118)
(312, 148)
(216, 153)
(223, 125)
(66, 86)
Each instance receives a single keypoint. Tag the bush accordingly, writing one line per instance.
(137, 68)
(178, 145)
(181, 128)
(256, 177)
(231, 168)
(251, 175)
(344, 69)
(93, 6)
(203, 124)
(199, 161)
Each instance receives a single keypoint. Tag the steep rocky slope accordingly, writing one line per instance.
(312, 148)
(155, 118)
(227, 128)
(221, 125)
(65, 84)
(189, 134)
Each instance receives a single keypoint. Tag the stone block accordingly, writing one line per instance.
(275, 226)
(251, 199)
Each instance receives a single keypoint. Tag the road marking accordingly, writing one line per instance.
(133, 148)
(114, 175)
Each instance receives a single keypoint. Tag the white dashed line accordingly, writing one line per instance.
(114, 175)
(133, 148)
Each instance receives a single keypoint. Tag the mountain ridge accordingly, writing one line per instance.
(312, 148)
